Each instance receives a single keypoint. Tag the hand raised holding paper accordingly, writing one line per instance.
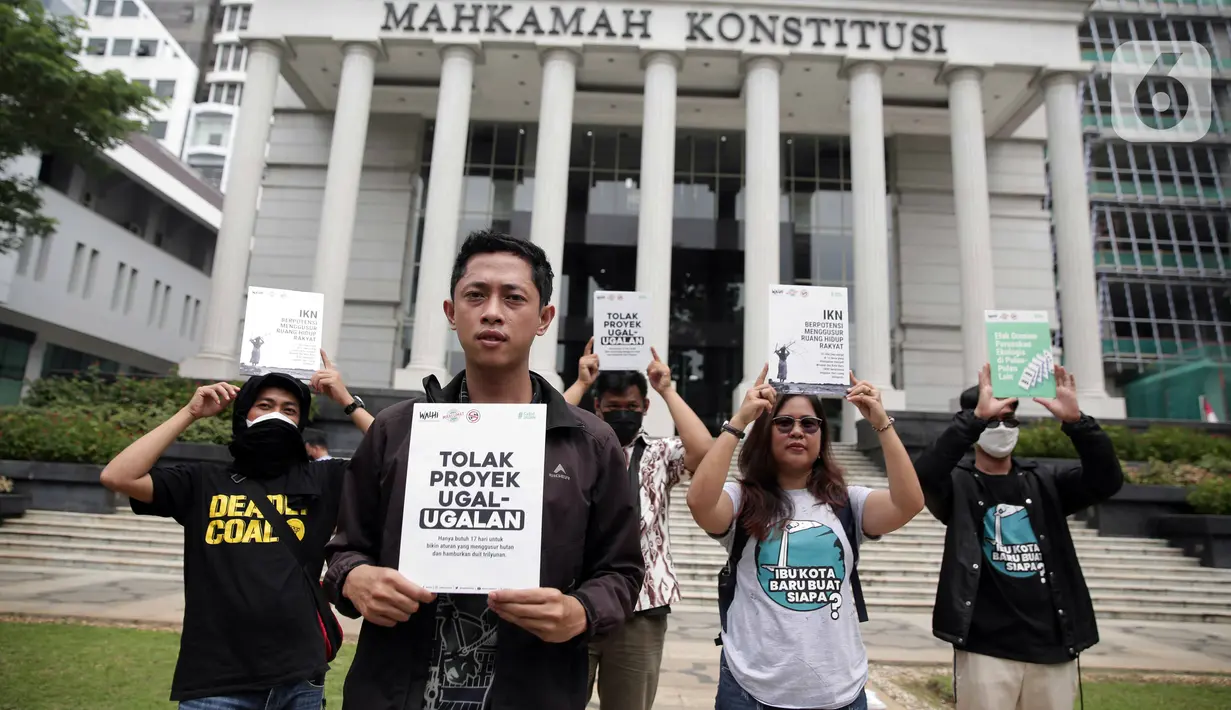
(758, 400)
(548, 613)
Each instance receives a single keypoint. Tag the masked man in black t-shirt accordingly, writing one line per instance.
(1011, 597)
(253, 636)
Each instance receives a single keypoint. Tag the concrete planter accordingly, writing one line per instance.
(1133, 510)
(13, 505)
(72, 487)
(1206, 537)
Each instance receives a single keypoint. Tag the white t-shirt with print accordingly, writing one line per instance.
(792, 637)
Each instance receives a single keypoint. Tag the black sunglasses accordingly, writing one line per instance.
(809, 425)
(1009, 422)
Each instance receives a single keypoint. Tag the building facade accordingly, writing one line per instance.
(1159, 217)
(213, 117)
(125, 35)
(699, 151)
(123, 282)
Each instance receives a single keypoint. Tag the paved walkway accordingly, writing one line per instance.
(690, 662)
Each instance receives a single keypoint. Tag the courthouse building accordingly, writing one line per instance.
(928, 155)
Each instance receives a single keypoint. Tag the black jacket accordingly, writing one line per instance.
(953, 495)
(591, 550)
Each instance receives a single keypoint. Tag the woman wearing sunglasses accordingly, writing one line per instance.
(791, 634)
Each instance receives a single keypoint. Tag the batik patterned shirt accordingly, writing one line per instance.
(662, 467)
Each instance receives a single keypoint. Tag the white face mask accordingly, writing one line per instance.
(273, 416)
(999, 442)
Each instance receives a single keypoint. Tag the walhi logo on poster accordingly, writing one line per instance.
(1020, 351)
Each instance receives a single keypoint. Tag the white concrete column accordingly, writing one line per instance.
(1083, 346)
(219, 356)
(872, 326)
(350, 134)
(550, 205)
(654, 225)
(34, 363)
(762, 198)
(442, 213)
(974, 223)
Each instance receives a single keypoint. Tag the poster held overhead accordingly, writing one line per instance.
(472, 521)
(1019, 348)
(808, 340)
(621, 324)
(282, 332)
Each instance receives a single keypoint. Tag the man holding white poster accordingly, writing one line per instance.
(510, 648)
(809, 348)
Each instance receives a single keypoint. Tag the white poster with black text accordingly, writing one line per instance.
(473, 516)
(282, 332)
(621, 324)
(808, 340)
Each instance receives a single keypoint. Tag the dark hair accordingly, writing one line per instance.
(315, 437)
(618, 381)
(970, 399)
(764, 504)
(486, 241)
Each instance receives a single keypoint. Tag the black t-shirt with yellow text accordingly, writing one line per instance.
(250, 619)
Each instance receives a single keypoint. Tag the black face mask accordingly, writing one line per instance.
(625, 423)
(268, 449)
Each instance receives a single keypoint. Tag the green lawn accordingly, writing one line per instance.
(65, 666)
(1122, 692)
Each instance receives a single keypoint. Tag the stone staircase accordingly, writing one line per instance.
(1129, 578)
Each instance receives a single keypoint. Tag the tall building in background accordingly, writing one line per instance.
(190, 22)
(213, 117)
(1159, 215)
(125, 35)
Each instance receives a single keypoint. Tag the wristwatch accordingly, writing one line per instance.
(728, 428)
(357, 404)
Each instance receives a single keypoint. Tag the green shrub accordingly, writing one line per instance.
(1162, 473)
(1045, 439)
(1212, 497)
(90, 418)
(72, 437)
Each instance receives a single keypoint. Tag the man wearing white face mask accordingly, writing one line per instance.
(256, 634)
(1011, 597)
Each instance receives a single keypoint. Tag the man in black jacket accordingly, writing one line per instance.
(1011, 598)
(511, 649)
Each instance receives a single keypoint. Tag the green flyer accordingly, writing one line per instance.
(1019, 349)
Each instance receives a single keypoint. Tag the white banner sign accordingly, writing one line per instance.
(809, 347)
(282, 332)
(473, 518)
(621, 325)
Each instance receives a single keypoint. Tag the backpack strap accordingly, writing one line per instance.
(846, 514)
(727, 576)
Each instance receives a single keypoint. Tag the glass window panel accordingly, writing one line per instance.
(104, 8)
(129, 9)
(147, 48)
(122, 48)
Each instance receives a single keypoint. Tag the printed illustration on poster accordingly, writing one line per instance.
(473, 515)
(282, 332)
(809, 351)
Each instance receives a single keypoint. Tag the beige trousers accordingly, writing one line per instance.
(986, 683)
